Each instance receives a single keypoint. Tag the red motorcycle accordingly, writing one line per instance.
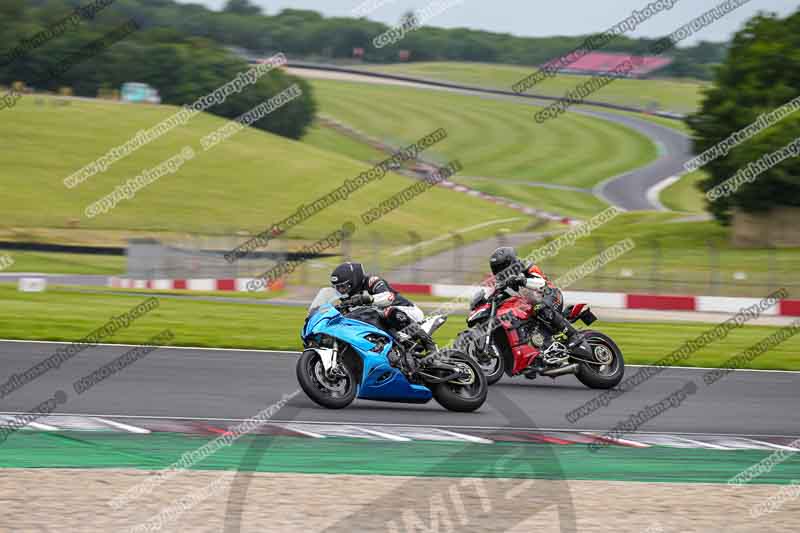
(504, 335)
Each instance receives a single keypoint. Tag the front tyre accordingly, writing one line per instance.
(464, 394)
(609, 367)
(334, 391)
(493, 366)
(490, 361)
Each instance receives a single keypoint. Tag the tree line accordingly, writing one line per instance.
(749, 121)
(183, 66)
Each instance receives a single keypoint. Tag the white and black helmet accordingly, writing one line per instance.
(348, 278)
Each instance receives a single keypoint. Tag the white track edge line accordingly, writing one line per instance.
(381, 434)
(504, 428)
(124, 427)
(470, 438)
(653, 193)
(305, 432)
(616, 440)
(707, 444)
(42, 427)
(772, 445)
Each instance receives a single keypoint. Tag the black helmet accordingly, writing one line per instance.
(502, 258)
(348, 278)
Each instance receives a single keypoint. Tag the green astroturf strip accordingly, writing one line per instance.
(363, 457)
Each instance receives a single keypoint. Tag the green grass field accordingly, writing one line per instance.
(72, 314)
(677, 258)
(246, 183)
(575, 204)
(679, 96)
(58, 263)
(491, 138)
(333, 141)
(683, 195)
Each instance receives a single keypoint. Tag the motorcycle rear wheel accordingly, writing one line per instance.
(323, 390)
(470, 393)
(606, 376)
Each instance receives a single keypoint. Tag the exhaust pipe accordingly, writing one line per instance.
(569, 369)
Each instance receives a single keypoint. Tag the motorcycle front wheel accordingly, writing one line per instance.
(491, 363)
(335, 391)
(493, 367)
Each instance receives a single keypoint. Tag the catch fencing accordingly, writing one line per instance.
(712, 268)
(195, 256)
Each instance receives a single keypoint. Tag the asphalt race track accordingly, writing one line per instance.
(232, 384)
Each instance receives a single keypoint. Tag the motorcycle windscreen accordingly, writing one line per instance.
(326, 295)
(321, 309)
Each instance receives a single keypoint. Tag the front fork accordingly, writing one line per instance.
(489, 327)
(332, 370)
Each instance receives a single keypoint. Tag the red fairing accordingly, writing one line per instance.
(521, 310)
(518, 306)
(524, 354)
(577, 309)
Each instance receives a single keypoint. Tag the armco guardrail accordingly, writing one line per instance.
(448, 85)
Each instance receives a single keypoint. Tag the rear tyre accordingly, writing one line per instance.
(610, 366)
(465, 394)
(335, 392)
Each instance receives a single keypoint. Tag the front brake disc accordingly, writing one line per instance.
(333, 386)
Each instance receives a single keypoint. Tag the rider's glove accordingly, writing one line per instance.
(517, 281)
(360, 299)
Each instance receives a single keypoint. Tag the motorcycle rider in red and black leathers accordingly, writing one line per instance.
(515, 274)
(400, 314)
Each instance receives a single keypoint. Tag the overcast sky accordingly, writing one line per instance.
(538, 18)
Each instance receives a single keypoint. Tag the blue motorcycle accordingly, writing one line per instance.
(349, 354)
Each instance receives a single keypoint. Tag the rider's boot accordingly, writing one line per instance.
(416, 331)
(403, 361)
(573, 339)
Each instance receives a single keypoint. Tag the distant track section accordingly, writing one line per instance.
(448, 85)
(628, 191)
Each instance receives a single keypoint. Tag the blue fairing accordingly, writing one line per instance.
(379, 380)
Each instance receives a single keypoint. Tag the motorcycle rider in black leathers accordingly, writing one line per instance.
(516, 274)
(400, 314)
